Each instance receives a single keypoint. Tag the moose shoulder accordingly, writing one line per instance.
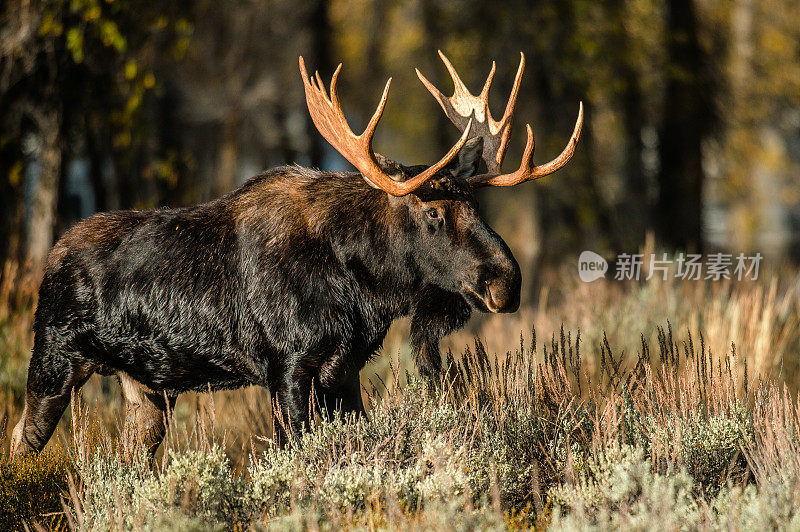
(289, 282)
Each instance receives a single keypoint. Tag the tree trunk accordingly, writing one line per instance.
(588, 209)
(686, 118)
(45, 192)
(443, 129)
(228, 166)
(744, 214)
(96, 163)
(319, 28)
(288, 153)
(635, 218)
(11, 202)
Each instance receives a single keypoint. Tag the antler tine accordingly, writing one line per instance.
(437, 94)
(334, 98)
(484, 96)
(565, 155)
(527, 170)
(462, 106)
(321, 86)
(458, 85)
(373, 122)
(508, 114)
(328, 117)
(512, 99)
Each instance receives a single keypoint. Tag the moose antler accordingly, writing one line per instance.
(327, 115)
(466, 110)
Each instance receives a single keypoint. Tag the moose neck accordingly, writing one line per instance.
(370, 232)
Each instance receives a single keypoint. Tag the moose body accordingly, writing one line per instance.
(289, 282)
(292, 279)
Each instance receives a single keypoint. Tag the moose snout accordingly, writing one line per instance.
(497, 288)
(493, 282)
(503, 290)
(501, 297)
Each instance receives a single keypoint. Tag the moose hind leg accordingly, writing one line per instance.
(146, 414)
(51, 379)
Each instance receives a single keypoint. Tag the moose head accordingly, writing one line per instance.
(455, 247)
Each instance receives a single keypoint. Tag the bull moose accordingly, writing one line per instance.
(290, 281)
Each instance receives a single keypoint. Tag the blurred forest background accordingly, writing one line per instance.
(692, 110)
(691, 142)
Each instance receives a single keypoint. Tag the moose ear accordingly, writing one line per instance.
(388, 166)
(468, 159)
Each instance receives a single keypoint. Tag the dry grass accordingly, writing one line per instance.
(621, 402)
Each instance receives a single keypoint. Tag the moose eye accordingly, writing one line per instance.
(433, 214)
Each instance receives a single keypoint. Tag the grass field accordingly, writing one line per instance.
(604, 405)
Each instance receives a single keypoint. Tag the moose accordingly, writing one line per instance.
(289, 282)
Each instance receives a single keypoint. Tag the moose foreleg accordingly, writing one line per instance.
(342, 393)
(290, 404)
(52, 377)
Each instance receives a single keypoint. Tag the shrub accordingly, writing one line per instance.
(712, 447)
(439, 474)
(268, 492)
(772, 506)
(112, 491)
(619, 489)
(200, 483)
(196, 490)
(348, 486)
(709, 447)
(30, 487)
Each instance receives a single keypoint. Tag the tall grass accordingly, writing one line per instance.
(635, 411)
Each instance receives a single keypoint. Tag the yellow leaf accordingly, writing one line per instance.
(133, 102)
(130, 69)
(123, 140)
(49, 25)
(75, 44)
(15, 175)
(92, 14)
